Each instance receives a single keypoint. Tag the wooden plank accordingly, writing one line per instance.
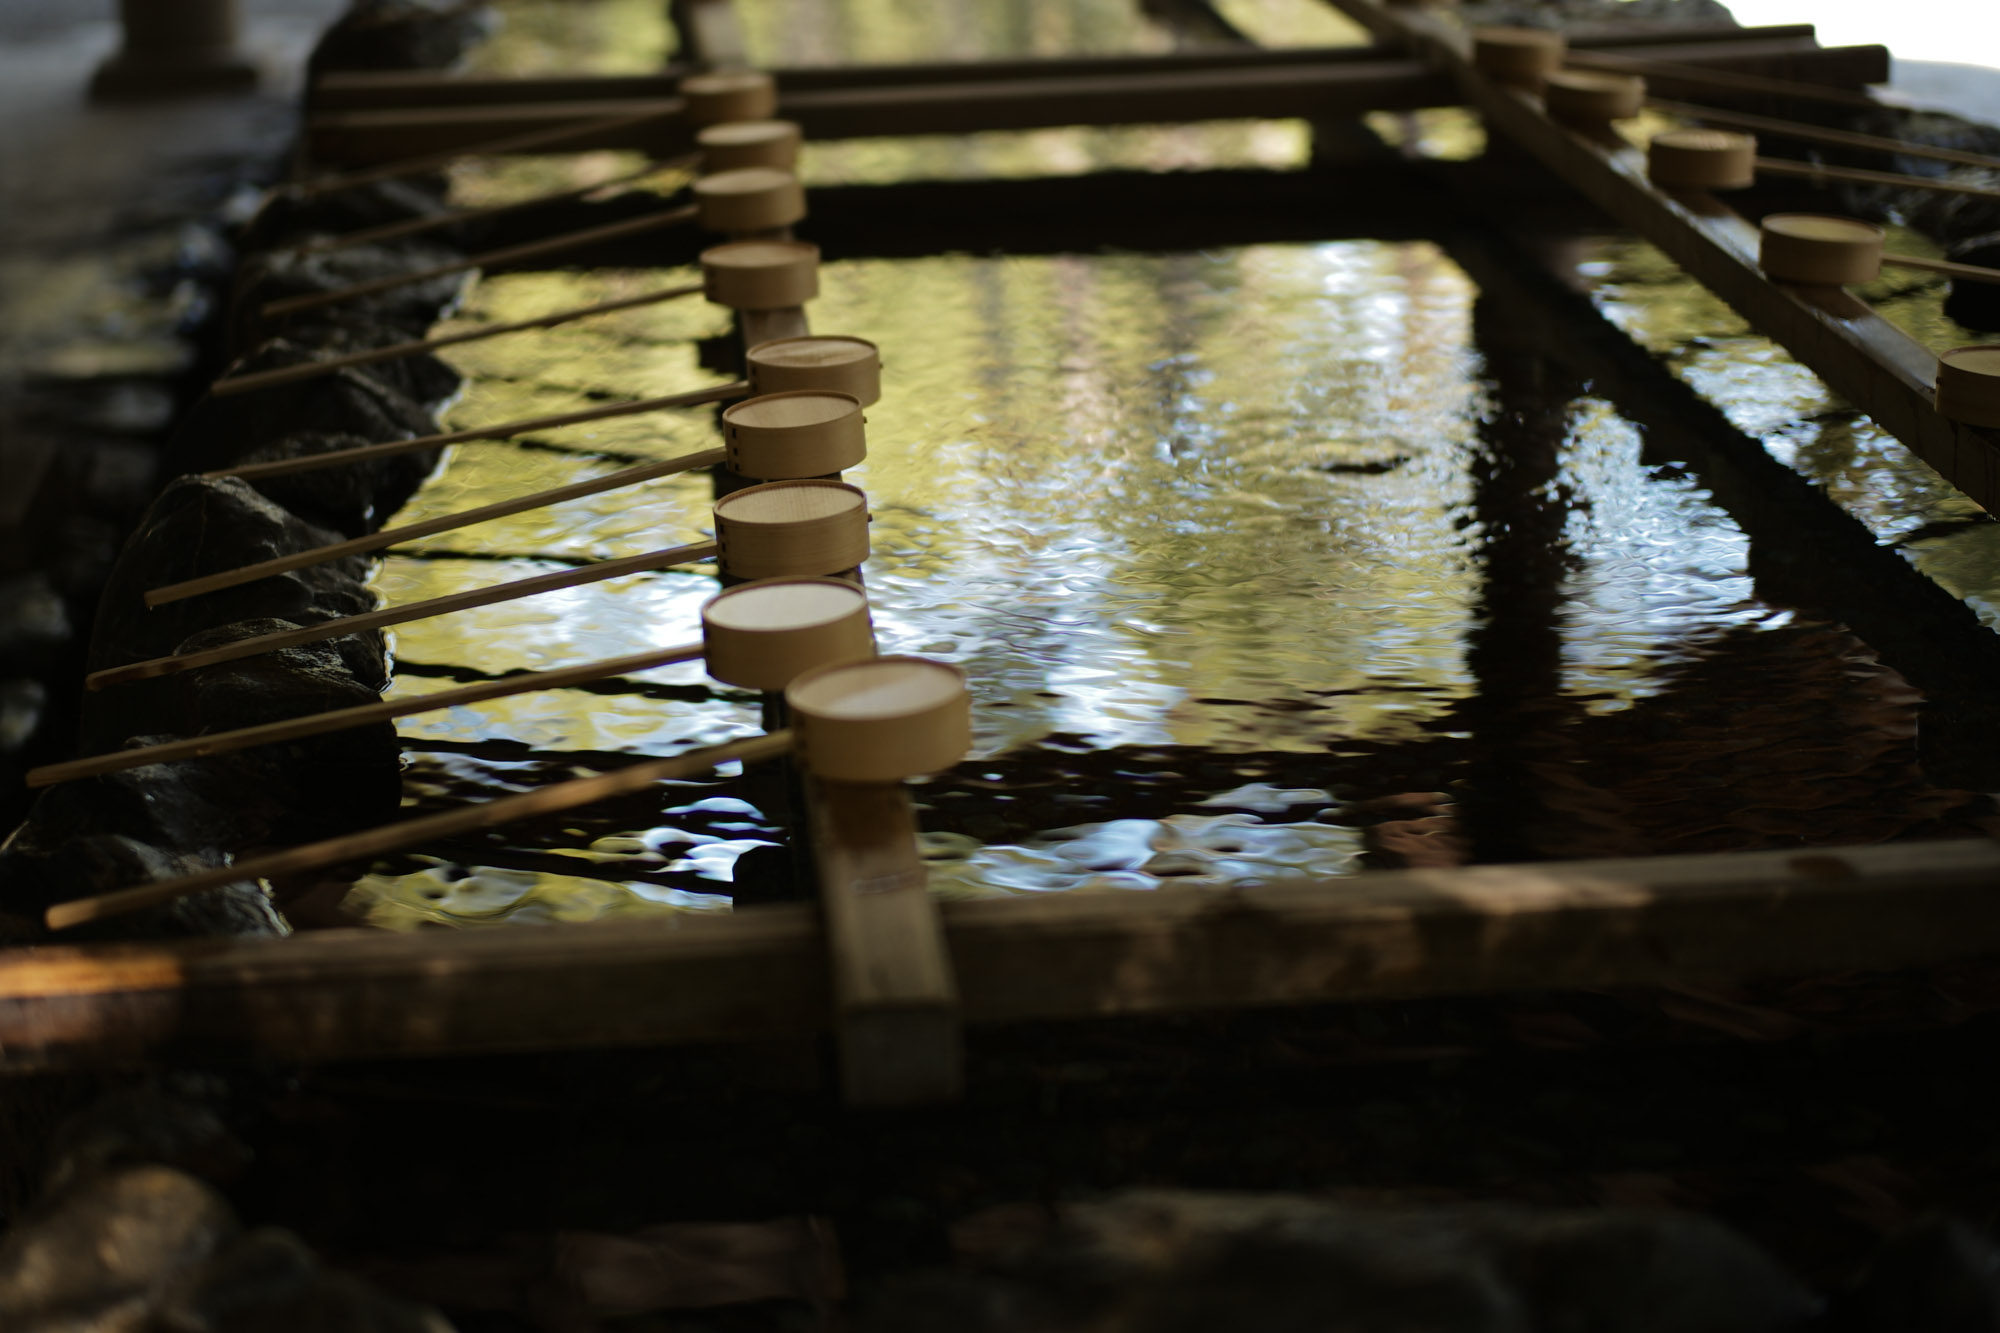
(896, 1022)
(763, 972)
(895, 1002)
(1294, 89)
(360, 89)
(1873, 364)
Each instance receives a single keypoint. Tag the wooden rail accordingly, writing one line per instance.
(353, 90)
(1875, 365)
(763, 972)
(1301, 87)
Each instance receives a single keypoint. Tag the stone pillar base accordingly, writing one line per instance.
(129, 78)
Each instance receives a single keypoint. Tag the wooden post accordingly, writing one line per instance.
(175, 48)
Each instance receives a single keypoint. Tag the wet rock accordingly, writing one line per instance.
(1164, 1262)
(401, 34)
(269, 1282)
(1939, 1275)
(219, 431)
(32, 880)
(422, 379)
(355, 498)
(410, 307)
(286, 218)
(142, 1125)
(98, 1257)
(1976, 305)
(199, 526)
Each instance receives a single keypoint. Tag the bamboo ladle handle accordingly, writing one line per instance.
(464, 518)
(341, 719)
(610, 231)
(413, 832)
(368, 453)
(398, 615)
(231, 385)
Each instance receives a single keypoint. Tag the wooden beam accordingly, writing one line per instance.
(1869, 361)
(895, 1002)
(762, 972)
(345, 90)
(1296, 88)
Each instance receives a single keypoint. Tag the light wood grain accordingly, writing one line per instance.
(368, 453)
(342, 719)
(399, 615)
(463, 518)
(333, 852)
(230, 385)
(553, 245)
(895, 1000)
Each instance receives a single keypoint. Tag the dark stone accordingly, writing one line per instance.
(221, 431)
(287, 218)
(400, 34)
(353, 499)
(421, 378)
(199, 526)
(96, 863)
(269, 1282)
(1939, 1275)
(144, 1124)
(1976, 305)
(410, 307)
(96, 1258)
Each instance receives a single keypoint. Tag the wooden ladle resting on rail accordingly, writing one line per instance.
(807, 527)
(776, 437)
(756, 635)
(876, 720)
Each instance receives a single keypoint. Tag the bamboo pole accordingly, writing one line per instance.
(394, 837)
(1778, 166)
(389, 231)
(464, 518)
(1963, 272)
(1793, 129)
(230, 385)
(1732, 80)
(552, 245)
(342, 719)
(510, 143)
(398, 615)
(368, 453)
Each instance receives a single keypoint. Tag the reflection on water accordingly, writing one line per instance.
(1771, 397)
(1240, 550)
